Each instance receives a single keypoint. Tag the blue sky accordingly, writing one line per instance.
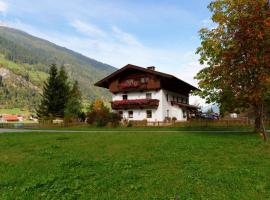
(163, 33)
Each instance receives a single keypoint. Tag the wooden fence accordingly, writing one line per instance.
(190, 123)
(22, 125)
(200, 123)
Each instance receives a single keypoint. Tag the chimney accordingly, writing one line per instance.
(151, 68)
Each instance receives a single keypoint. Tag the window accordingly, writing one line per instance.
(130, 114)
(149, 113)
(177, 99)
(148, 95)
(120, 113)
(184, 114)
(125, 97)
(168, 113)
(144, 79)
(167, 97)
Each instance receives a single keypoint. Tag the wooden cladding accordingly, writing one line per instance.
(135, 82)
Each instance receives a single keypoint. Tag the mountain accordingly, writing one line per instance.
(214, 107)
(24, 66)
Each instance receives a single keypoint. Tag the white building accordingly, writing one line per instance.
(143, 93)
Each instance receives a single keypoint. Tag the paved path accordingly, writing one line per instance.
(104, 131)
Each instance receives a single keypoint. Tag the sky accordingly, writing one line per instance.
(161, 33)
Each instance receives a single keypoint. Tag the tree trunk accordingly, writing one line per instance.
(259, 122)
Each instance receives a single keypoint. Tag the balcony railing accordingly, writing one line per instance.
(135, 104)
(183, 105)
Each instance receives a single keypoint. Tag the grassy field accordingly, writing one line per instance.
(13, 111)
(134, 165)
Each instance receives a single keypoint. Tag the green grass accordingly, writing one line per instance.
(13, 111)
(134, 165)
(156, 128)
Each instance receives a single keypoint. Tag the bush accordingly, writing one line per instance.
(115, 119)
(100, 115)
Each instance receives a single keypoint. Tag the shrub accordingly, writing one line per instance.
(100, 115)
(174, 119)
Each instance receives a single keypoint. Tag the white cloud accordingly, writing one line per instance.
(126, 38)
(118, 48)
(3, 6)
(87, 29)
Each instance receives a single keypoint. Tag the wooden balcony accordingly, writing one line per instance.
(135, 104)
(183, 105)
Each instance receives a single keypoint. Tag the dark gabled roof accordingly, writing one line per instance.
(105, 82)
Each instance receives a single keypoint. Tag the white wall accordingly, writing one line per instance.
(158, 114)
(174, 111)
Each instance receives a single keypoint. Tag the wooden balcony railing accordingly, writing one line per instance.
(135, 104)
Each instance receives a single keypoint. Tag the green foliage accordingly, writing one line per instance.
(28, 57)
(74, 106)
(237, 56)
(62, 92)
(236, 52)
(134, 165)
(100, 115)
(48, 107)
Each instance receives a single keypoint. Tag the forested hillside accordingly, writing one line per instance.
(24, 65)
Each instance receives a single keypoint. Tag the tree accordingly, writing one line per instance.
(62, 92)
(237, 55)
(48, 106)
(73, 109)
(100, 115)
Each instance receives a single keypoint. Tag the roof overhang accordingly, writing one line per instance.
(105, 82)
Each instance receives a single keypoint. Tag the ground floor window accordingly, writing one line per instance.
(149, 113)
(120, 113)
(168, 113)
(130, 114)
(184, 114)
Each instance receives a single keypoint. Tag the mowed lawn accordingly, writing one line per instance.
(134, 165)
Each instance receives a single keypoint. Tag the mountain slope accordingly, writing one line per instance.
(29, 58)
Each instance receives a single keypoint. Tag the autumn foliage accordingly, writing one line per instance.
(237, 55)
(100, 115)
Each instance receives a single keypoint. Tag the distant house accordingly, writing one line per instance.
(144, 93)
(10, 118)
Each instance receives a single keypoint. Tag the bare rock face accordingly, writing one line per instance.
(11, 79)
(4, 72)
(16, 91)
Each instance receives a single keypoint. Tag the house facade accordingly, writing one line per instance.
(145, 94)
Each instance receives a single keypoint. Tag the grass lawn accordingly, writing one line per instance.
(129, 165)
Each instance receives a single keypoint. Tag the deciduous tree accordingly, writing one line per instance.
(237, 55)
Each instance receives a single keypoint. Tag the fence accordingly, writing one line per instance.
(199, 123)
(40, 125)
(245, 122)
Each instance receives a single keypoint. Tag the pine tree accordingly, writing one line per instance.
(63, 92)
(73, 107)
(48, 106)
